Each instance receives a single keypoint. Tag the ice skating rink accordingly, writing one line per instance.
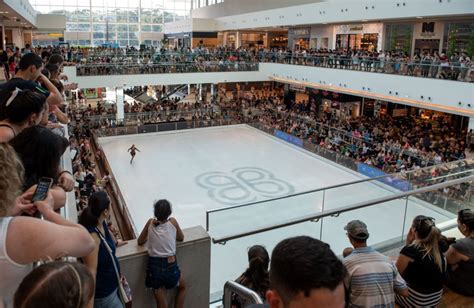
(211, 168)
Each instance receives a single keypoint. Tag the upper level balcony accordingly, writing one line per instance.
(437, 86)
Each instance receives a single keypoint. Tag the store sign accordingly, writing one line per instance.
(400, 112)
(359, 29)
(56, 34)
(427, 29)
(298, 88)
(356, 28)
(300, 32)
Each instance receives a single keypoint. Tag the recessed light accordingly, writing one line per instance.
(364, 20)
(419, 17)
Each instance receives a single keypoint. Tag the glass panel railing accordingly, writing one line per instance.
(223, 270)
(182, 62)
(164, 68)
(292, 205)
(384, 221)
(388, 219)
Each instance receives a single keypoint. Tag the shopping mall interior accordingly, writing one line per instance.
(236, 153)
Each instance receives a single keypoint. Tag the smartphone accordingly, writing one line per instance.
(42, 189)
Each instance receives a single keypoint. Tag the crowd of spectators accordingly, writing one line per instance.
(111, 61)
(457, 66)
(391, 144)
(302, 270)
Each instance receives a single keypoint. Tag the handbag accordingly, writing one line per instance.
(124, 288)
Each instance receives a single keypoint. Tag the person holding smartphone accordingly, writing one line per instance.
(24, 240)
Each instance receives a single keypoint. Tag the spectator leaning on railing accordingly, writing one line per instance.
(29, 76)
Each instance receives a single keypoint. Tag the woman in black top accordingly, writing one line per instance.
(460, 256)
(256, 276)
(422, 265)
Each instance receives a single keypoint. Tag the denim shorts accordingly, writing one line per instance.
(160, 273)
(110, 301)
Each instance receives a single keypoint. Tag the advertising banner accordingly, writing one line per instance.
(288, 138)
(389, 180)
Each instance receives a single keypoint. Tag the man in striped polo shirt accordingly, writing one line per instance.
(372, 279)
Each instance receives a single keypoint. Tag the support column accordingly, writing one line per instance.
(362, 106)
(200, 92)
(212, 89)
(237, 39)
(189, 89)
(120, 105)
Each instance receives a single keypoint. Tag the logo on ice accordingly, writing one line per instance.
(243, 185)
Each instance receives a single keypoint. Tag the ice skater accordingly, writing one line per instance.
(132, 151)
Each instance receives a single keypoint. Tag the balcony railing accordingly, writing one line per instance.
(209, 62)
(164, 68)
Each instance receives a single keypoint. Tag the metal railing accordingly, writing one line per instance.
(409, 66)
(411, 179)
(161, 127)
(338, 211)
(164, 68)
(250, 297)
(69, 211)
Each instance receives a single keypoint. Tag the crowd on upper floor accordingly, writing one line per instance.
(110, 61)
(458, 66)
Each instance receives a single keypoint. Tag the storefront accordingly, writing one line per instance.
(427, 37)
(367, 37)
(179, 40)
(47, 38)
(299, 38)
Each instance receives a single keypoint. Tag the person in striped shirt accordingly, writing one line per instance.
(372, 279)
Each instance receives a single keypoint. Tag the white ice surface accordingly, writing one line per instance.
(211, 168)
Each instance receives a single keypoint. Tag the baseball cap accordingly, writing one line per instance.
(357, 229)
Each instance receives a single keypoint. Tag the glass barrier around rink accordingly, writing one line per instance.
(388, 219)
(163, 68)
(160, 127)
(300, 203)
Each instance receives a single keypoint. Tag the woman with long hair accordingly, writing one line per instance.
(40, 151)
(161, 233)
(460, 256)
(102, 261)
(422, 265)
(20, 109)
(56, 284)
(256, 276)
(24, 240)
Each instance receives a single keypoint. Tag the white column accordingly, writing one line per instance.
(120, 104)
(17, 38)
(200, 92)
(212, 89)
(189, 89)
(237, 39)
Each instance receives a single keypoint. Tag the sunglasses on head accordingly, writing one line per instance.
(419, 221)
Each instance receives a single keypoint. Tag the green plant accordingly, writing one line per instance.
(470, 44)
(452, 40)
